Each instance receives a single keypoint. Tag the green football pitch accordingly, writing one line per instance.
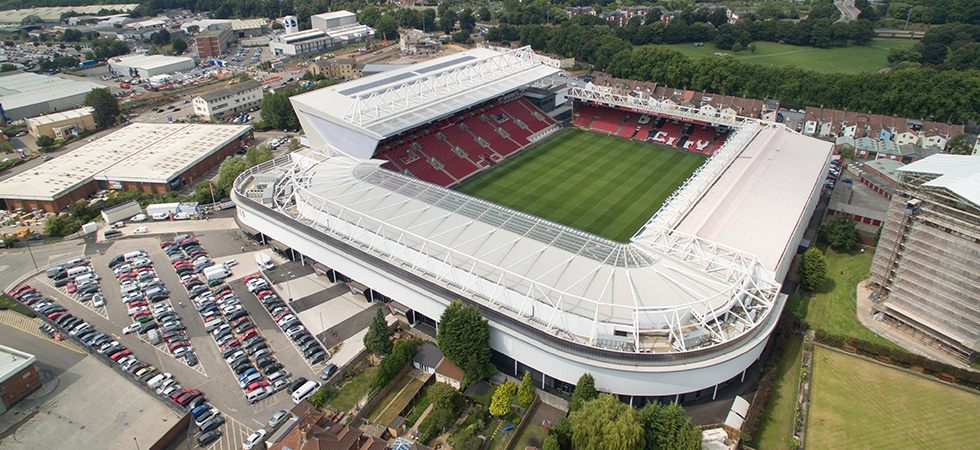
(606, 185)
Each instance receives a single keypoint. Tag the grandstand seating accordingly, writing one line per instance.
(452, 149)
(659, 130)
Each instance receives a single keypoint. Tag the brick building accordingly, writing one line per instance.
(18, 376)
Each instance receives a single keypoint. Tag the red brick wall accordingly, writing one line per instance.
(20, 385)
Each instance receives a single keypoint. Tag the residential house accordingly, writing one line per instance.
(449, 373)
(925, 135)
(579, 10)
(313, 431)
(336, 68)
(427, 358)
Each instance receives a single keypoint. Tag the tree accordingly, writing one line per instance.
(44, 141)
(584, 391)
(500, 403)
(525, 392)
(61, 226)
(813, 269)
(7, 67)
(401, 354)
(388, 27)
(550, 443)
(106, 107)
(606, 423)
(447, 405)
(179, 46)
(668, 427)
(959, 145)
(447, 21)
(483, 14)
(466, 20)
(277, 112)
(840, 233)
(378, 337)
(161, 37)
(464, 337)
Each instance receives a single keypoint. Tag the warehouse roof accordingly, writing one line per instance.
(21, 89)
(334, 15)
(60, 116)
(248, 24)
(141, 152)
(149, 61)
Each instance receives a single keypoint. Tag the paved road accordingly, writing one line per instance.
(53, 359)
(19, 261)
(848, 11)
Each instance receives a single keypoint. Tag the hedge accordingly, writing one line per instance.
(901, 358)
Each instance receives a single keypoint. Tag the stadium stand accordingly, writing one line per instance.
(454, 148)
(659, 130)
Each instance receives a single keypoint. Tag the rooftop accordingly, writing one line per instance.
(148, 61)
(248, 24)
(334, 15)
(19, 89)
(141, 152)
(960, 174)
(886, 167)
(61, 116)
(13, 361)
(231, 90)
(385, 104)
(298, 36)
(428, 355)
(760, 201)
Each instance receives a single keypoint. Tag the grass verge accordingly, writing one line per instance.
(776, 426)
(8, 302)
(352, 391)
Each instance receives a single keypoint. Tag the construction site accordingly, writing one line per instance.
(927, 265)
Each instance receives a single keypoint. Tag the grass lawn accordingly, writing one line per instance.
(355, 388)
(396, 400)
(833, 308)
(534, 434)
(860, 404)
(8, 302)
(417, 409)
(602, 184)
(776, 427)
(852, 59)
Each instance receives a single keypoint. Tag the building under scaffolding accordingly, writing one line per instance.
(926, 270)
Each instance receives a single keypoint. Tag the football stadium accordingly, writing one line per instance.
(597, 230)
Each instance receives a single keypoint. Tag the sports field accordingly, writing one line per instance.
(602, 184)
(853, 59)
(860, 404)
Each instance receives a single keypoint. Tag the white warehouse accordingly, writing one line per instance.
(148, 66)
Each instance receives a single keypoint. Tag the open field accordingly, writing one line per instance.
(396, 400)
(854, 59)
(833, 308)
(602, 184)
(776, 427)
(861, 404)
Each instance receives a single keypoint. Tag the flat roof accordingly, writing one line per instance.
(93, 407)
(247, 24)
(20, 89)
(53, 13)
(350, 30)
(61, 116)
(758, 203)
(302, 35)
(334, 14)
(388, 103)
(149, 61)
(13, 361)
(887, 167)
(141, 152)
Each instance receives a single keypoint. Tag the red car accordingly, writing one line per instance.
(256, 385)
(120, 355)
(241, 321)
(251, 277)
(179, 393)
(231, 343)
(249, 334)
(177, 344)
(22, 291)
(71, 288)
(138, 303)
(186, 398)
(126, 275)
(166, 244)
(56, 315)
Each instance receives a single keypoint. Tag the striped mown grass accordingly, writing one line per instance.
(606, 185)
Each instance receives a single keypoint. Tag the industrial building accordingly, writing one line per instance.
(330, 30)
(926, 270)
(62, 125)
(151, 157)
(24, 94)
(146, 66)
(212, 44)
(228, 101)
(18, 376)
(336, 68)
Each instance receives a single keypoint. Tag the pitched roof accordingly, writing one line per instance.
(450, 370)
(428, 355)
(231, 90)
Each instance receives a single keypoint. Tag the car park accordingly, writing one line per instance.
(207, 438)
(212, 423)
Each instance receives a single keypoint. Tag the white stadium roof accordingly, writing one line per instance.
(388, 103)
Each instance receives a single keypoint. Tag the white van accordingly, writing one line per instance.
(74, 272)
(86, 277)
(134, 254)
(304, 391)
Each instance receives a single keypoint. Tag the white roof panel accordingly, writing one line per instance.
(959, 174)
(387, 103)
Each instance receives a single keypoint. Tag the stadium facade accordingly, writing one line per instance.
(684, 307)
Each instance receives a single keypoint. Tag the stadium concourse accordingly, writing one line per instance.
(678, 311)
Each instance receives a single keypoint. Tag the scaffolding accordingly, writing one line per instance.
(926, 270)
